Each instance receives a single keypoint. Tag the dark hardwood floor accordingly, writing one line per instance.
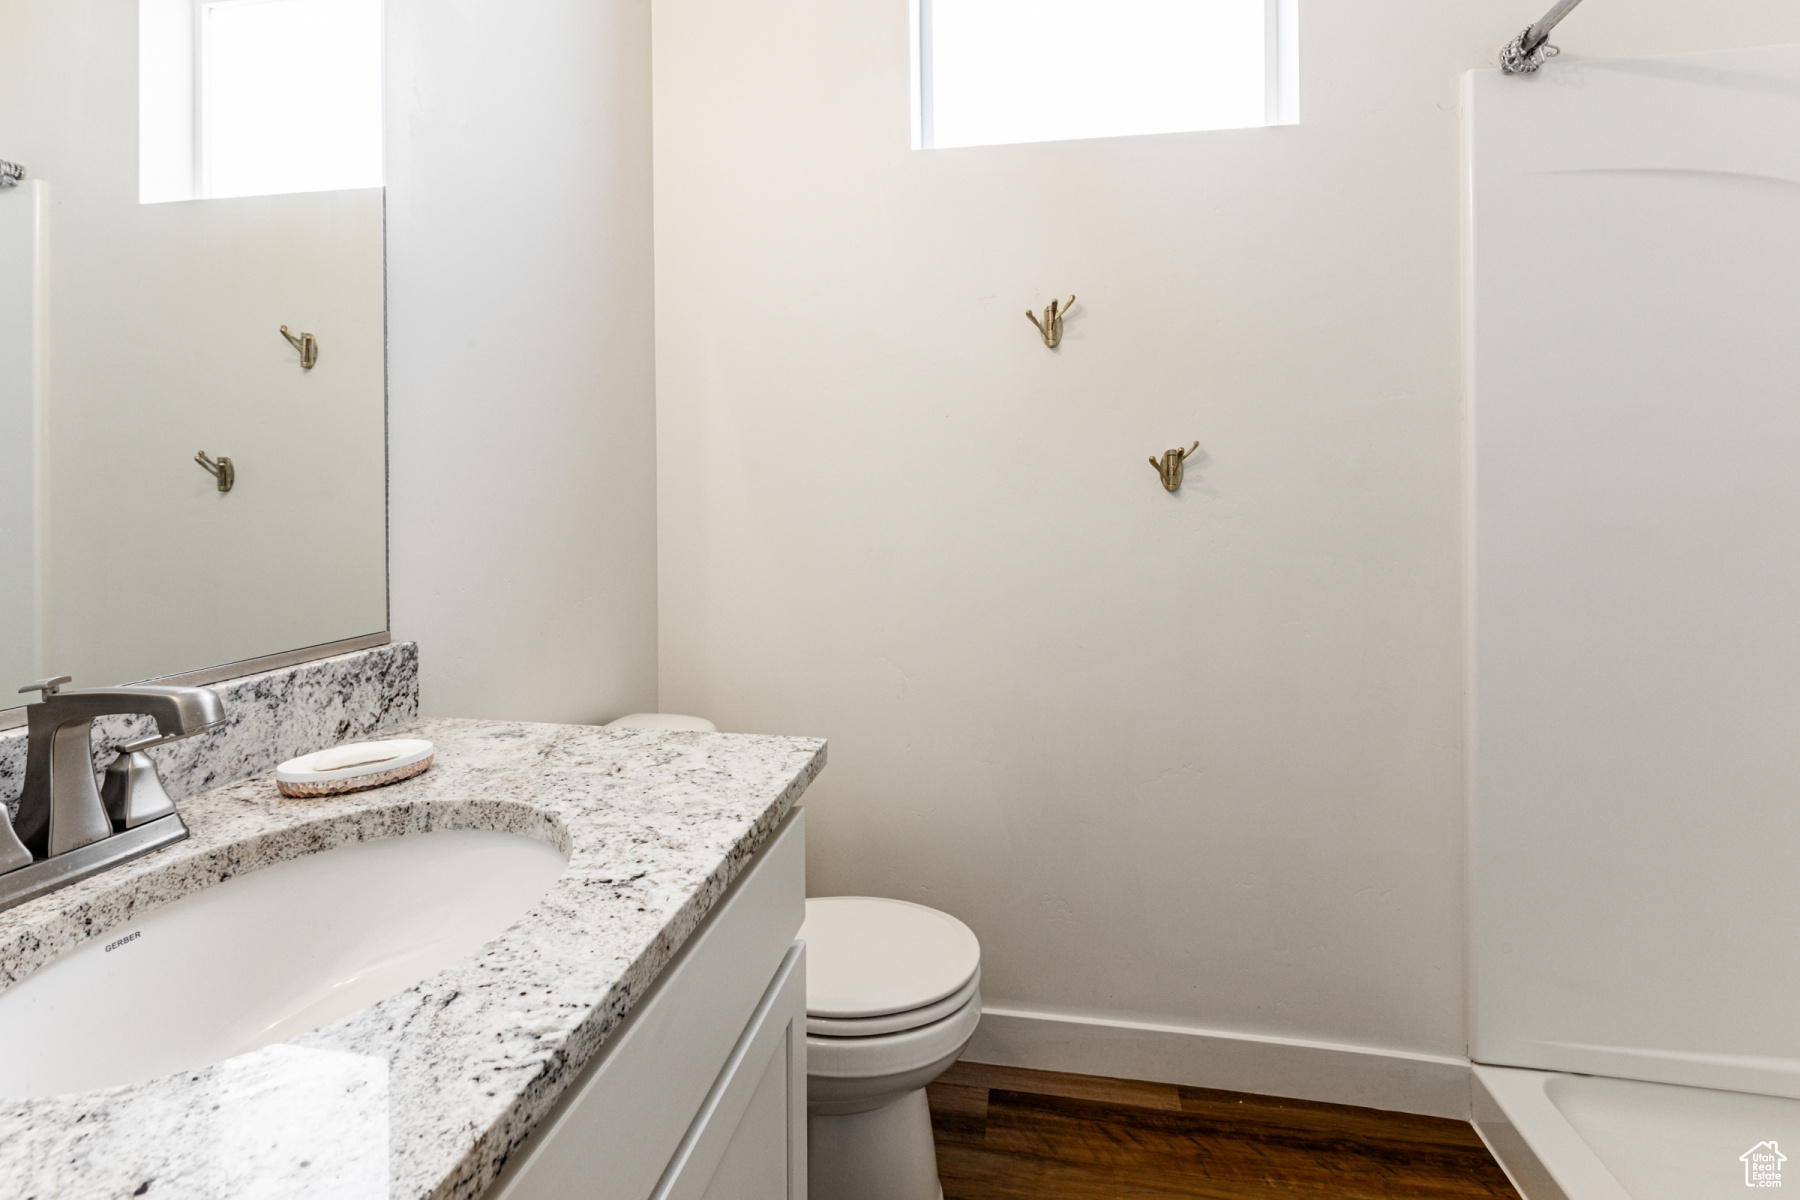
(1009, 1134)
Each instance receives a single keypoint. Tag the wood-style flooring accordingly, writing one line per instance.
(1009, 1134)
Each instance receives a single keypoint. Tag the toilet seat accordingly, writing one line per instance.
(898, 1022)
(928, 1049)
(868, 957)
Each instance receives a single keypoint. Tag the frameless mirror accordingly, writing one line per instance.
(196, 176)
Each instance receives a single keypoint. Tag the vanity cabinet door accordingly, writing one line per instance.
(755, 1163)
(748, 1141)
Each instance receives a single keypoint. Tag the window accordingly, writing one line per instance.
(997, 71)
(258, 97)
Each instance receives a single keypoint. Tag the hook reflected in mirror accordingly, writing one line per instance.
(220, 469)
(306, 344)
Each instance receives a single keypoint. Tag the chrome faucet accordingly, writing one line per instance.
(68, 826)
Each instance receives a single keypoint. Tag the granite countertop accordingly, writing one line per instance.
(426, 1093)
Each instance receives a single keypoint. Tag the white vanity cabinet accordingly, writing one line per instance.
(700, 1094)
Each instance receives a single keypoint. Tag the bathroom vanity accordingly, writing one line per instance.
(638, 1032)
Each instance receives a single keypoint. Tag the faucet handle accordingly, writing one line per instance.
(132, 791)
(47, 686)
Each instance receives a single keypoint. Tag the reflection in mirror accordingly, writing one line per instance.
(197, 175)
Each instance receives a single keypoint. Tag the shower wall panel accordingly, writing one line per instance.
(21, 385)
(1634, 232)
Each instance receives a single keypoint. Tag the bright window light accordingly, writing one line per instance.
(290, 96)
(258, 97)
(997, 71)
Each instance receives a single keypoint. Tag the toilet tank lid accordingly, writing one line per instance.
(868, 957)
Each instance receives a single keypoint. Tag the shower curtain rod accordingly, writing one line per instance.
(1527, 52)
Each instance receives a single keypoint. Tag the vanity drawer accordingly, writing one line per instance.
(612, 1134)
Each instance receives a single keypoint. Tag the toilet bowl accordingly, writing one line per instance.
(663, 721)
(893, 994)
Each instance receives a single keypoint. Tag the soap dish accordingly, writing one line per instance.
(353, 768)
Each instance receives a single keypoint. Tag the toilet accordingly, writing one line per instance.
(892, 997)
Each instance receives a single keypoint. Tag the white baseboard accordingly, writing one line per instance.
(1303, 1070)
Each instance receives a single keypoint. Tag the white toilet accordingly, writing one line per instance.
(892, 997)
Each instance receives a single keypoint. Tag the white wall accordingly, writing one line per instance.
(520, 359)
(1190, 760)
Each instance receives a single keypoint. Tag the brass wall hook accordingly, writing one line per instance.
(1051, 325)
(220, 469)
(1171, 466)
(306, 344)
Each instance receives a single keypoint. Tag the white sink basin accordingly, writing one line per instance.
(264, 957)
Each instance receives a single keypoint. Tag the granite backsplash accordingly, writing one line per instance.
(269, 718)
